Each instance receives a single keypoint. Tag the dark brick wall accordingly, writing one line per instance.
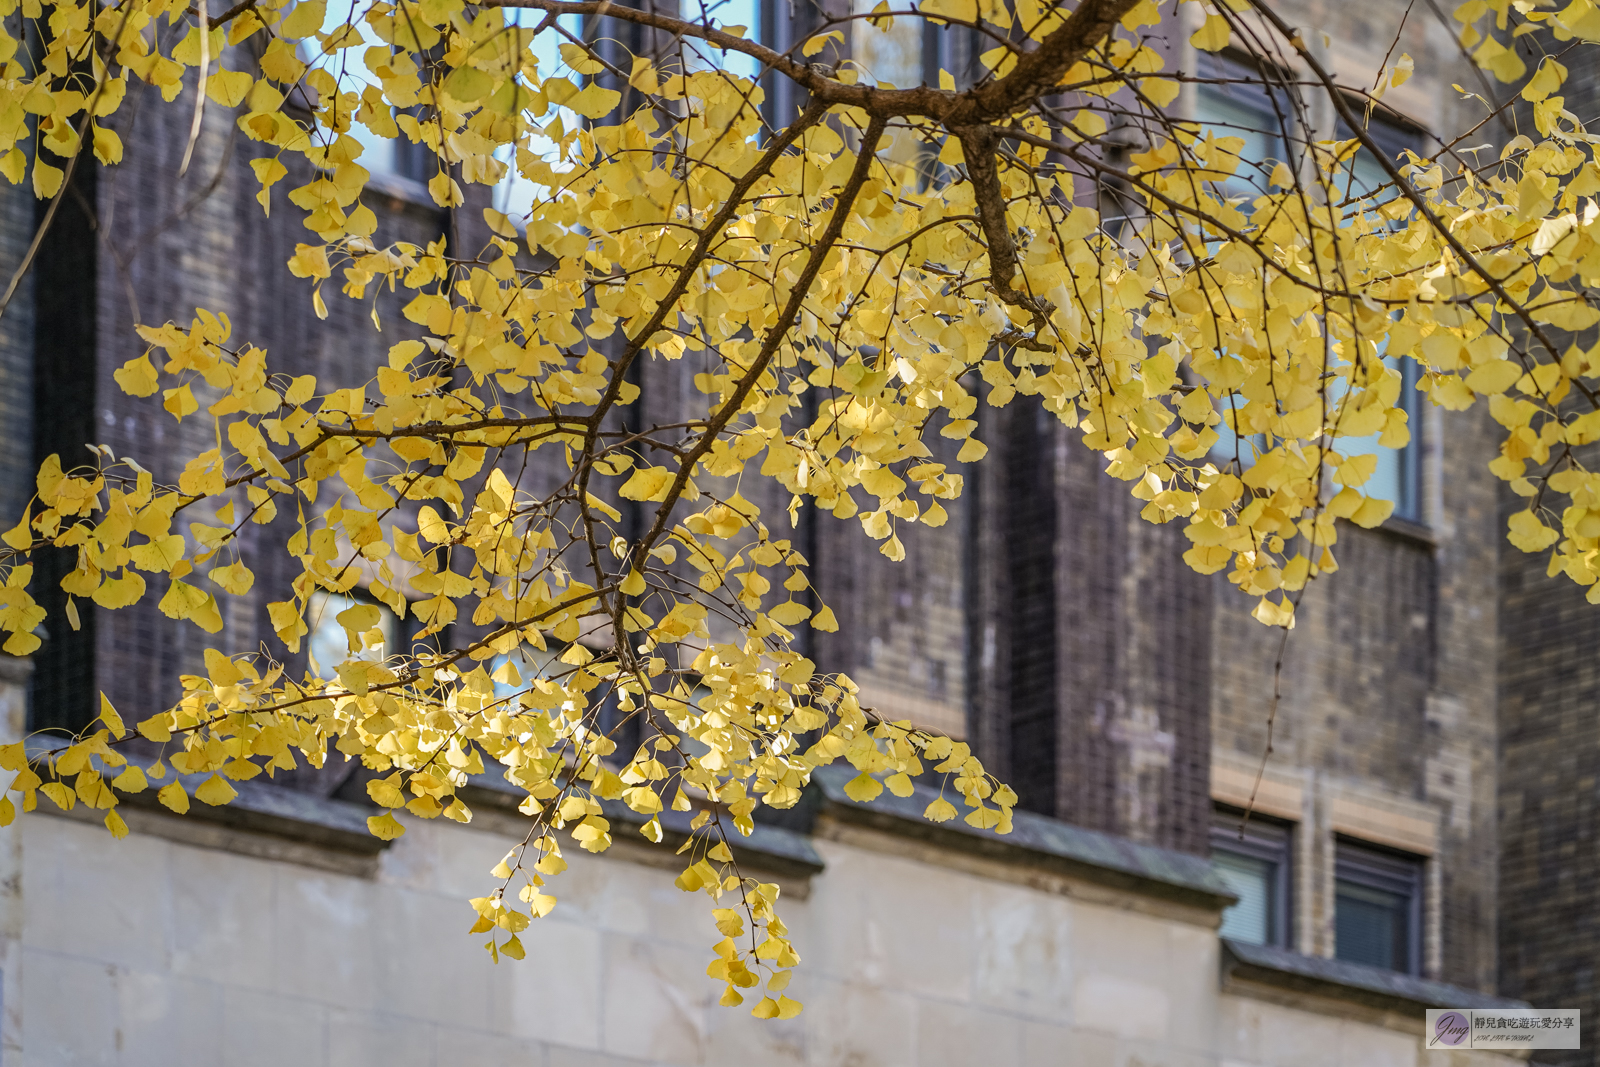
(16, 355)
(158, 247)
(902, 626)
(1549, 801)
(1356, 669)
(1549, 792)
(1089, 640)
(149, 247)
(1134, 657)
(1389, 683)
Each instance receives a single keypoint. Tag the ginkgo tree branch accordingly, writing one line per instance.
(978, 145)
(1039, 73)
(1444, 232)
(713, 228)
(777, 333)
(229, 15)
(1035, 74)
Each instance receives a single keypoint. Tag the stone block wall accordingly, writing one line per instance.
(913, 957)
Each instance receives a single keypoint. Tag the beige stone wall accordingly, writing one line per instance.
(150, 951)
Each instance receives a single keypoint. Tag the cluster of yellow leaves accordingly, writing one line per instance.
(830, 310)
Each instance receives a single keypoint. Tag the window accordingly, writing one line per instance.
(397, 158)
(1364, 175)
(1236, 102)
(1261, 117)
(1230, 446)
(515, 195)
(729, 15)
(1256, 867)
(514, 675)
(1377, 909)
(1239, 105)
(1396, 477)
(330, 643)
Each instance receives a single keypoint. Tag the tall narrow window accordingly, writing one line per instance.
(1377, 911)
(1396, 477)
(1235, 101)
(1255, 865)
(732, 15)
(1030, 560)
(350, 36)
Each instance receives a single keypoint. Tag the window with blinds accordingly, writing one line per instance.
(1377, 908)
(1252, 857)
(1251, 878)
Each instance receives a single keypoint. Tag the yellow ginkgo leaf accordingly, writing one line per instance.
(1213, 35)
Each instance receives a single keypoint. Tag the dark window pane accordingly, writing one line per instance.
(1377, 908)
(1370, 926)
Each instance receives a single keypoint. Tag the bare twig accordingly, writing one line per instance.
(200, 90)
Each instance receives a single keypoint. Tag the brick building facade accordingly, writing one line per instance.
(1125, 696)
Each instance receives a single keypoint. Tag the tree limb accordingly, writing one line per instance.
(842, 206)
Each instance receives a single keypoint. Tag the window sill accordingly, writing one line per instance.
(772, 849)
(1037, 842)
(279, 823)
(273, 822)
(264, 820)
(15, 670)
(1276, 973)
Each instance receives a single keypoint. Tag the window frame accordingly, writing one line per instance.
(1270, 840)
(1393, 133)
(1408, 457)
(1388, 129)
(1371, 866)
(1255, 96)
(1409, 506)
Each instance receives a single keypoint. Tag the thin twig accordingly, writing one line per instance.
(66, 183)
(200, 89)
